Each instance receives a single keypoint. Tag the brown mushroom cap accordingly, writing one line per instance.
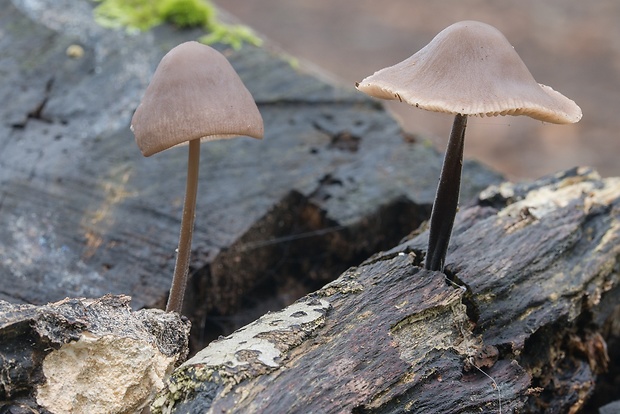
(470, 68)
(195, 93)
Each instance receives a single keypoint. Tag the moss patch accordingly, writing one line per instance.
(141, 15)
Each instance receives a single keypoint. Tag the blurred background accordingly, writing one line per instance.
(571, 45)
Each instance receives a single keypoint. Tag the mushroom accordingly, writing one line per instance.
(469, 68)
(194, 95)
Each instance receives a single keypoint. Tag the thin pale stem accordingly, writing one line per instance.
(447, 198)
(181, 268)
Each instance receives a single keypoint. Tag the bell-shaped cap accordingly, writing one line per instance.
(470, 68)
(195, 94)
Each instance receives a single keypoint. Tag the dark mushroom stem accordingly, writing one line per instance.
(181, 268)
(447, 197)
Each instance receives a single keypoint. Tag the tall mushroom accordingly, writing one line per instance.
(195, 94)
(469, 68)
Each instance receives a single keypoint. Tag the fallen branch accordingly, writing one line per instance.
(531, 277)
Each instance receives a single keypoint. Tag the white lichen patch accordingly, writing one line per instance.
(545, 200)
(103, 374)
(505, 190)
(605, 195)
(259, 338)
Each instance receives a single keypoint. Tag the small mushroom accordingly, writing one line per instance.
(469, 68)
(194, 95)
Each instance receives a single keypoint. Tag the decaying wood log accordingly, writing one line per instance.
(84, 214)
(86, 356)
(514, 324)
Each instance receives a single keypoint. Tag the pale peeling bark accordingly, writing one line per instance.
(86, 355)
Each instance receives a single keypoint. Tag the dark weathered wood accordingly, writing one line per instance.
(611, 408)
(532, 277)
(82, 213)
(79, 355)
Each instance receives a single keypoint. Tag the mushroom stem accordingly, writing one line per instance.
(447, 197)
(181, 268)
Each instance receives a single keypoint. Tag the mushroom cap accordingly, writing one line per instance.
(194, 94)
(470, 68)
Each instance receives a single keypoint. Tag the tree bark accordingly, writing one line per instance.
(515, 324)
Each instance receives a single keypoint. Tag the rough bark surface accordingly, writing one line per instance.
(84, 214)
(516, 323)
(85, 355)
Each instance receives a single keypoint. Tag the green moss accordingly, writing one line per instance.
(187, 13)
(234, 36)
(142, 15)
(132, 14)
